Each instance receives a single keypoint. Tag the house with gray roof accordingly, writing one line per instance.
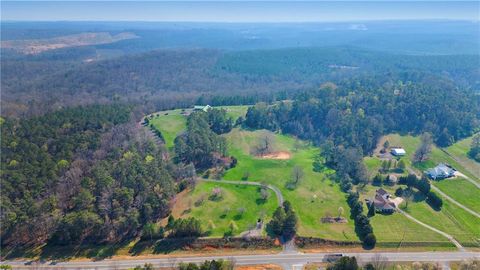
(441, 171)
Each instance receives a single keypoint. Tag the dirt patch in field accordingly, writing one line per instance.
(277, 155)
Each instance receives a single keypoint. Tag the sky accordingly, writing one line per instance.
(238, 11)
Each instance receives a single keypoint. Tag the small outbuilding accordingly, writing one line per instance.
(441, 171)
(398, 152)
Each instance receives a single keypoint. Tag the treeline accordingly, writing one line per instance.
(359, 112)
(423, 186)
(80, 175)
(474, 151)
(362, 223)
(200, 144)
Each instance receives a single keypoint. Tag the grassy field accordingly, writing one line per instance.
(217, 215)
(451, 219)
(459, 151)
(278, 172)
(462, 191)
(316, 195)
(235, 111)
(170, 123)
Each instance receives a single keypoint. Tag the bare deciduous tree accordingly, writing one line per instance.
(423, 151)
(379, 262)
(297, 174)
(265, 145)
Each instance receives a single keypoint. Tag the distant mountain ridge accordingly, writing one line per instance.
(36, 46)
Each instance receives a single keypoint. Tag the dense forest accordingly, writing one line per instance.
(170, 78)
(357, 113)
(86, 174)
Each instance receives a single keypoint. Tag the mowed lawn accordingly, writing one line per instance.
(459, 150)
(462, 191)
(216, 216)
(170, 123)
(315, 196)
(451, 219)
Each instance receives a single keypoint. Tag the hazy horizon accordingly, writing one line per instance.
(238, 12)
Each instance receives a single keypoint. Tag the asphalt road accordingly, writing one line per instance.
(289, 261)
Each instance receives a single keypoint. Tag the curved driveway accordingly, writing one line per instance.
(455, 202)
(277, 191)
(448, 236)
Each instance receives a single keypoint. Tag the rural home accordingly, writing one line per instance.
(441, 171)
(398, 152)
(382, 202)
(201, 108)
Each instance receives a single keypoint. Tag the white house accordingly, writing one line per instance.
(442, 171)
(202, 108)
(398, 152)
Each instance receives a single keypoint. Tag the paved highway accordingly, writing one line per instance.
(289, 261)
